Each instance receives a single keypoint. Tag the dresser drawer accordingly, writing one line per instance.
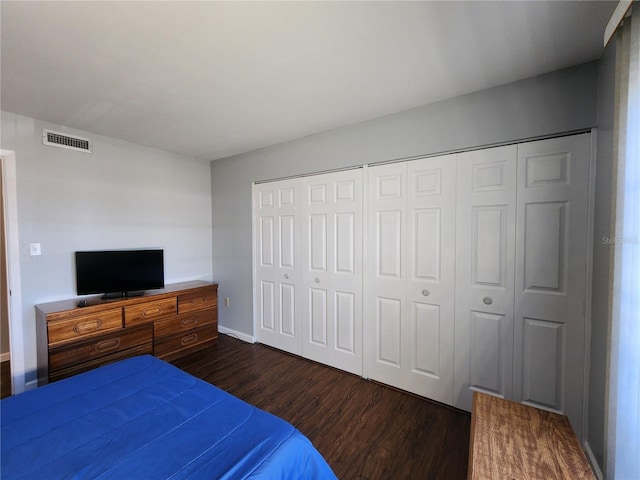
(185, 322)
(144, 349)
(62, 331)
(149, 311)
(197, 301)
(171, 347)
(98, 347)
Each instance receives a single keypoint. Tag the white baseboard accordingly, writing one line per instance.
(31, 385)
(593, 461)
(234, 333)
(4, 357)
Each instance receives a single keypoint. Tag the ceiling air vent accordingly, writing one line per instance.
(57, 139)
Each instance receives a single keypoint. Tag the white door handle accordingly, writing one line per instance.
(425, 293)
(286, 276)
(317, 280)
(487, 300)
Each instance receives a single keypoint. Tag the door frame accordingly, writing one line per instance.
(16, 334)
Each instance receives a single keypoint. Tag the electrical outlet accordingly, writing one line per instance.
(226, 301)
(34, 249)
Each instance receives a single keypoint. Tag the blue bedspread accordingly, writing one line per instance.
(144, 418)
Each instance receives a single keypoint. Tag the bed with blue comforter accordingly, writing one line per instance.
(144, 418)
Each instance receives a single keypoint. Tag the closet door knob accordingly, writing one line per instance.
(286, 276)
(317, 280)
(425, 293)
(487, 300)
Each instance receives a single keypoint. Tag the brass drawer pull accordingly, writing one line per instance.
(189, 339)
(89, 326)
(185, 322)
(108, 345)
(150, 312)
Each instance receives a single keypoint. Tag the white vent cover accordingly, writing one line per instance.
(62, 140)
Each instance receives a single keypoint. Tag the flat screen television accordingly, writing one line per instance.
(119, 273)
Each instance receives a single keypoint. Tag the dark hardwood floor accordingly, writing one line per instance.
(5, 379)
(364, 430)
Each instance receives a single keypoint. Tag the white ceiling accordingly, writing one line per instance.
(213, 79)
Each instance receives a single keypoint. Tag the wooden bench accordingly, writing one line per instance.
(511, 440)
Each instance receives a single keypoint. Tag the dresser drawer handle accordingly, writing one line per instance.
(189, 339)
(185, 322)
(89, 326)
(198, 301)
(108, 345)
(152, 311)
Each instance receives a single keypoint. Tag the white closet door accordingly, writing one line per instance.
(485, 244)
(277, 264)
(411, 288)
(386, 276)
(332, 269)
(551, 274)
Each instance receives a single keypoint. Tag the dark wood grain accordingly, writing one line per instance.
(363, 429)
(5, 379)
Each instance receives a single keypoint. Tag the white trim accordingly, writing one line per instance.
(592, 460)
(589, 294)
(365, 269)
(254, 267)
(616, 17)
(31, 385)
(429, 155)
(16, 335)
(234, 333)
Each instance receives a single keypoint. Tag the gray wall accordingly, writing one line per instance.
(601, 254)
(558, 102)
(121, 196)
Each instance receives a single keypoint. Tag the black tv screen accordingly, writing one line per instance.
(119, 272)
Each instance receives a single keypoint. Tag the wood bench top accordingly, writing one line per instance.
(510, 440)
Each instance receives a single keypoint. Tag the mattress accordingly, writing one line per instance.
(144, 418)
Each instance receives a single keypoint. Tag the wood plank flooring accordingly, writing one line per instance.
(5, 379)
(363, 429)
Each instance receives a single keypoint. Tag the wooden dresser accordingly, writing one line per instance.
(510, 440)
(167, 323)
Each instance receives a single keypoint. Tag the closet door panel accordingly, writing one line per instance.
(551, 274)
(332, 269)
(387, 343)
(430, 287)
(277, 264)
(345, 321)
(411, 289)
(487, 355)
(485, 245)
(425, 333)
(386, 282)
(288, 310)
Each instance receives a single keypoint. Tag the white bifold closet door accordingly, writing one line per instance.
(485, 239)
(551, 275)
(410, 278)
(521, 274)
(277, 263)
(332, 270)
(475, 279)
(308, 267)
